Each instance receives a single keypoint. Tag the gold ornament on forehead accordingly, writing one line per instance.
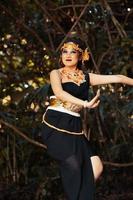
(71, 45)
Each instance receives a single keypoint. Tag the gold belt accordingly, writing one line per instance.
(57, 102)
(69, 106)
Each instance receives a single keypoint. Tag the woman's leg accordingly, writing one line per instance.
(97, 166)
(71, 177)
(77, 178)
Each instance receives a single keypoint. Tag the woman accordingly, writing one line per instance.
(62, 130)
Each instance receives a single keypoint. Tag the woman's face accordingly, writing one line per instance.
(70, 56)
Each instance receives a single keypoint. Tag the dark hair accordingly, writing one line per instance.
(81, 45)
(76, 41)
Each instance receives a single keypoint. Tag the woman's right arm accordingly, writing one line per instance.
(65, 96)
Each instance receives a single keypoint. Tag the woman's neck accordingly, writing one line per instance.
(71, 68)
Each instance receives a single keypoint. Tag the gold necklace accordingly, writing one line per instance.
(76, 76)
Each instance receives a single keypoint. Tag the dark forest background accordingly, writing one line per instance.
(31, 33)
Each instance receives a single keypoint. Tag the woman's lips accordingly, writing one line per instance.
(68, 59)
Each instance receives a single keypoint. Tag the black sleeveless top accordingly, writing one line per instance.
(79, 91)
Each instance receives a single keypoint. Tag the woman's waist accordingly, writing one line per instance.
(62, 120)
(64, 110)
(64, 106)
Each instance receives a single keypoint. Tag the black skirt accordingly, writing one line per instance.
(63, 136)
(62, 133)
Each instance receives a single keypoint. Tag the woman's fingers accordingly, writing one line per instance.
(98, 92)
(96, 97)
(96, 104)
(95, 101)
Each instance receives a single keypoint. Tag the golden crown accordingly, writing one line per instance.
(72, 45)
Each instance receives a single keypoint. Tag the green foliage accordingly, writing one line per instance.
(31, 32)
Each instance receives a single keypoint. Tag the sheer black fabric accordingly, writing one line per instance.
(77, 178)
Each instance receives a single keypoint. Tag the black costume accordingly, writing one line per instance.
(62, 133)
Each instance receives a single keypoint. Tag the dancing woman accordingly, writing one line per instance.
(62, 127)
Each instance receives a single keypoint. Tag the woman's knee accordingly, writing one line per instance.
(72, 164)
(97, 166)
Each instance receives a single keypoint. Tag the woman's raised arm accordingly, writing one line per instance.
(97, 79)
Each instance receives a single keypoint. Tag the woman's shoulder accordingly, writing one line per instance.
(54, 71)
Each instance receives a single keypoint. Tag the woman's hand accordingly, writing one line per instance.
(94, 102)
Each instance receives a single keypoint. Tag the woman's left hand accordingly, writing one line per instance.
(94, 102)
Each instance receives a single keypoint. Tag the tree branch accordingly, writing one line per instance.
(22, 134)
(118, 26)
(118, 164)
(100, 59)
(76, 22)
(23, 25)
(44, 147)
(44, 9)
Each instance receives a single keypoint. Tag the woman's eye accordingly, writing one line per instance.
(73, 51)
(64, 51)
